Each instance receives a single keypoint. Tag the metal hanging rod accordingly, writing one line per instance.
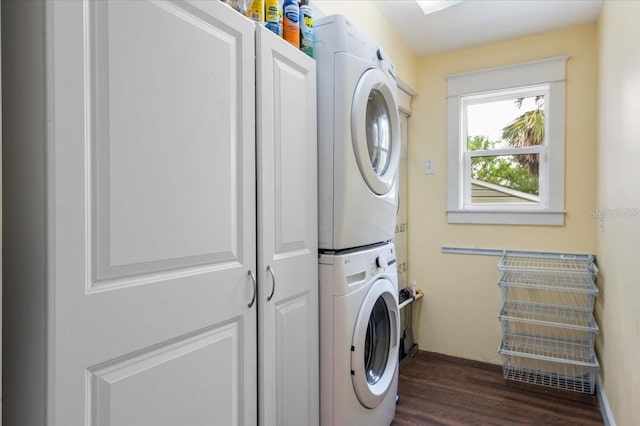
(503, 252)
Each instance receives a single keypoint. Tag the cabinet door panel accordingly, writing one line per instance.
(152, 213)
(287, 233)
(155, 99)
(294, 369)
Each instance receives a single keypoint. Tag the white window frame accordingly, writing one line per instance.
(546, 77)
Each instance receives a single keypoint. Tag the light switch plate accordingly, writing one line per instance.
(428, 167)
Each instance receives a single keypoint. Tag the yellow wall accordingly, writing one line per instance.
(369, 19)
(618, 306)
(459, 314)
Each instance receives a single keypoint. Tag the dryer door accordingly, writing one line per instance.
(375, 130)
(374, 349)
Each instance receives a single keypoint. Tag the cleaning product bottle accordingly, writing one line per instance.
(280, 18)
(306, 28)
(291, 22)
(256, 11)
(272, 16)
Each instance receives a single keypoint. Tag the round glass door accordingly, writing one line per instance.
(374, 354)
(375, 131)
(377, 342)
(378, 132)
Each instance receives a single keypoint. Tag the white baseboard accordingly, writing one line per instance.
(605, 410)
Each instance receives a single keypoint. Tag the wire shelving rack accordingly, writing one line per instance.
(547, 321)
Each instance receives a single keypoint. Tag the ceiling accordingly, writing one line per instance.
(475, 22)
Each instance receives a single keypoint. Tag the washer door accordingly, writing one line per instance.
(375, 131)
(374, 349)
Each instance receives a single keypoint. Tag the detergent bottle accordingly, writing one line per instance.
(272, 16)
(306, 28)
(256, 11)
(291, 22)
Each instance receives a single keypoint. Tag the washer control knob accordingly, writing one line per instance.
(381, 262)
(379, 54)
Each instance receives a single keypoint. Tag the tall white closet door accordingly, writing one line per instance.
(151, 214)
(287, 234)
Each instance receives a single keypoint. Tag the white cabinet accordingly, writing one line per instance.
(287, 229)
(132, 208)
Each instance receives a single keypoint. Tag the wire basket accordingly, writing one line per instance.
(549, 280)
(571, 377)
(563, 264)
(549, 315)
(548, 321)
(568, 351)
(544, 297)
(557, 363)
(549, 288)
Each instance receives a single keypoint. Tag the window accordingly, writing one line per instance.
(506, 144)
(503, 140)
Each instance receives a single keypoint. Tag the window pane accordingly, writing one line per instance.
(505, 179)
(510, 123)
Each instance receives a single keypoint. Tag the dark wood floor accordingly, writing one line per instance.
(441, 390)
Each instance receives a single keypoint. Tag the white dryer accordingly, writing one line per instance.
(359, 337)
(358, 137)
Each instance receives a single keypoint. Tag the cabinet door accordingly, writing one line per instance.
(287, 233)
(152, 214)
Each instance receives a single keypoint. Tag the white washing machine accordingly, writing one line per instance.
(358, 137)
(359, 337)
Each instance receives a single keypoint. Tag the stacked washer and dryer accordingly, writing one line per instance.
(358, 157)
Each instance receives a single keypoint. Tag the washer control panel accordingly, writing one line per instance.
(385, 63)
(380, 260)
(347, 272)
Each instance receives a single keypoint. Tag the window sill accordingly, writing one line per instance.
(506, 217)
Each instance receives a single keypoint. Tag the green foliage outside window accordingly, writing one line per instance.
(505, 171)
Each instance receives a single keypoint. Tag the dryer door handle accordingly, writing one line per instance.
(394, 328)
(273, 278)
